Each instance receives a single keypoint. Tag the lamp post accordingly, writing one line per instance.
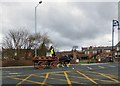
(114, 24)
(36, 25)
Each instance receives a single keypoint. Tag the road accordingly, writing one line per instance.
(87, 74)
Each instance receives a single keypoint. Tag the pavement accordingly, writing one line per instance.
(87, 74)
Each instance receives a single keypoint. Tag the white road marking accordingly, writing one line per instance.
(89, 68)
(14, 73)
(7, 71)
(16, 67)
(56, 72)
(112, 66)
(94, 64)
(101, 67)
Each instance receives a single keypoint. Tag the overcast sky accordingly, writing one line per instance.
(67, 23)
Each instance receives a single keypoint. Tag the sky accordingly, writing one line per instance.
(67, 23)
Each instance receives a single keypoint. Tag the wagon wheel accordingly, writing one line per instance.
(53, 64)
(36, 64)
(41, 65)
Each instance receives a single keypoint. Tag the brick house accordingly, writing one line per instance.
(98, 52)
(117, 52)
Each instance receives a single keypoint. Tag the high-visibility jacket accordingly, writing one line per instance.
(51, 51)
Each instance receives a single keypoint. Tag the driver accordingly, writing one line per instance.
(52, 52)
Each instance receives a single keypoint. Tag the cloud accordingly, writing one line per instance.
(67, 23)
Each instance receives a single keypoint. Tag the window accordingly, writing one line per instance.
(94, 52)
(107, 51)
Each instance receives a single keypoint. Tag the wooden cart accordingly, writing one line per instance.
(44, 62)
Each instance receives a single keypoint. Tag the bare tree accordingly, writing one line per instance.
(16, 39)
(34, 40)
(46, 40)
(22, 39)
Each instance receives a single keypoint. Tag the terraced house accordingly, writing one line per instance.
(99, 53)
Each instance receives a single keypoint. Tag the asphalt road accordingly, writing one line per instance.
(88, 74)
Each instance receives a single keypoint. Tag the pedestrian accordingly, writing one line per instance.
(52, 52)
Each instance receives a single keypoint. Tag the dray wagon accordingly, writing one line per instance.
(44, 62)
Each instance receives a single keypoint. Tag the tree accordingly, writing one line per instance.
(46, 40)
(21, 39)
(42, 43)
(16, 39)
(34, 40)
(42, 50)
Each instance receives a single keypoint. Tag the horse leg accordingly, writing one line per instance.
(62, 64)
(68, 64)
(58, 65)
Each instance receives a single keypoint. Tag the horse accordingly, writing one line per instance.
(64, 61)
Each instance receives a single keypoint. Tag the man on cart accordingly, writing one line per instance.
(52, 52)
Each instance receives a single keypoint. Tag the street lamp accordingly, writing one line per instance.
(36, 24)
(115, 23)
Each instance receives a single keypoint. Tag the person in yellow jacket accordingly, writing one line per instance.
(52, 52)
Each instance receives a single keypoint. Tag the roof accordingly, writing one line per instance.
(97, 48)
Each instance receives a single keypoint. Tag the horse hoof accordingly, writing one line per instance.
(67, 66)
(58, 66)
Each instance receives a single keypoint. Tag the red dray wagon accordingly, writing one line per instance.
(44, 62)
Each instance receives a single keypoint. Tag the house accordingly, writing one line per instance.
(117, 52)
(106, 51)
